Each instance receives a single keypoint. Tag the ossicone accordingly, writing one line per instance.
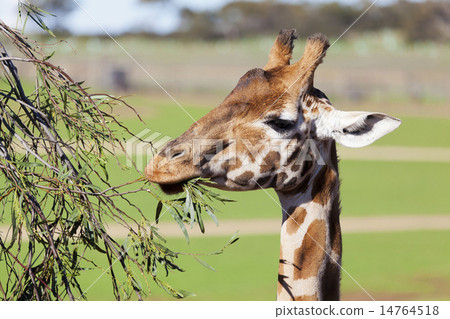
(281, 52)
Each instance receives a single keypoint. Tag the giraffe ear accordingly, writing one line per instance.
(281, 52)
(358, 129)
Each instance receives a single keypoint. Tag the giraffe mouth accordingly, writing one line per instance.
(172, 189)
(178, 187)
(170, 178)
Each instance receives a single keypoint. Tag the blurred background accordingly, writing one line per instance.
(394, 59)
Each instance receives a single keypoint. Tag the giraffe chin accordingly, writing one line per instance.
(172, 189)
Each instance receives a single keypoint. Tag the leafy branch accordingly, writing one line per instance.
(55, 142)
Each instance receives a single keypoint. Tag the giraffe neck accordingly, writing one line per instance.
(311, 247)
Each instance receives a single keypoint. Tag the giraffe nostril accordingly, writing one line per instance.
(177, 154)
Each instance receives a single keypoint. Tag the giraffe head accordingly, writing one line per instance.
(269, 131)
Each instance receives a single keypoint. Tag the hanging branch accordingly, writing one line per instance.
(55, 195)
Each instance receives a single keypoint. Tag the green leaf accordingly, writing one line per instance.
(63, 174)
(158, 211)
(179, 222)
(233, 238)
(135, 281)
(187, 293)
(127, 243)
(212, 215)
(204, 264)
(83, 170)
(13, 222)
(154, 231)
(200, 223)
(171, 291)
(199, 194)
(95, 188)
(28, 225)
(48, 57)
(33, 12)
(74, 257)
(187, 206)
(27, 164)
(105, 171)
(74, 216)
(193, 214)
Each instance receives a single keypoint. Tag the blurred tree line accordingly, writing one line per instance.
(417, 20)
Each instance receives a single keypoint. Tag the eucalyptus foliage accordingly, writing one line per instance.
(55, 141)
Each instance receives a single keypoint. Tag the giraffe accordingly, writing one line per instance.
(276, 130)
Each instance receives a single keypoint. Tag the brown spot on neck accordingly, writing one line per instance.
(295, 219)
(308, 258)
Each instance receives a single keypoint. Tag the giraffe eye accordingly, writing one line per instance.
(280, 125)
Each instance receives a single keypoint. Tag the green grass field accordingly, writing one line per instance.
(395, 266)
(387, 265)
(402, 265)
(406, 265)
